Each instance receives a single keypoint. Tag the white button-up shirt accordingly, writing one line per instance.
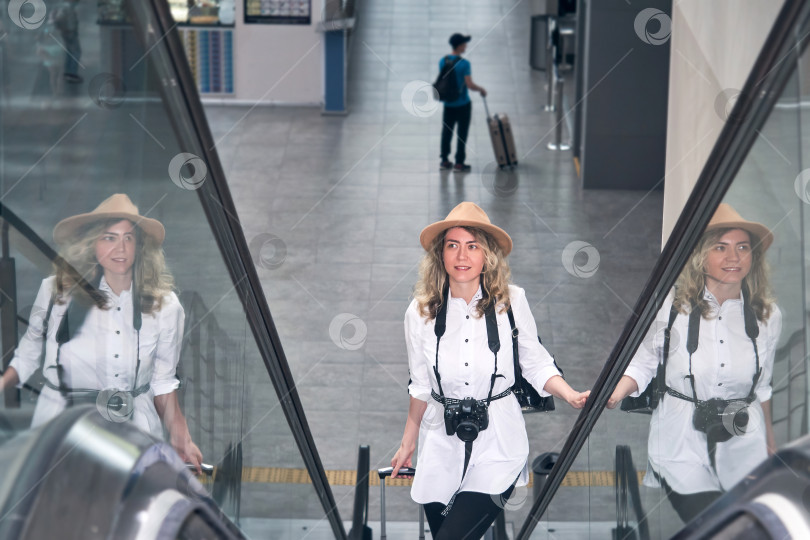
(101, 354)
(723, 365)
(499, 454)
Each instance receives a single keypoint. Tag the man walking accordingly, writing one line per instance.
(67, 22)
(458, 111)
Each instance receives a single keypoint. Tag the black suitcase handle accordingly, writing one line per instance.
(404, 471)
(383, 474)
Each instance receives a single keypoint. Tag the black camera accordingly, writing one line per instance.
(465, 418)
(721, 419)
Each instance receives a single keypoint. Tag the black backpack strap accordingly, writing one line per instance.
(493, 339)
(439, 328)
(45, 324)
(494, 342)
(515, 352)
(692, 339)
(661, 378)
(752, 331)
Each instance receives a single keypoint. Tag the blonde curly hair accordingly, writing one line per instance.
(692, 281)
(495, 276)
(77, 267)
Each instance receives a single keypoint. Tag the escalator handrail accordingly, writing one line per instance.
(757, 98)
(156, 29)
(22, 227)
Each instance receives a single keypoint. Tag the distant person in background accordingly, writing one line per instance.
(458, 111)
(66, 21)
(51, 55)
(712, 426)
(109, 326)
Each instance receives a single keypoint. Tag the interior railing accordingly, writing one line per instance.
(775, 64)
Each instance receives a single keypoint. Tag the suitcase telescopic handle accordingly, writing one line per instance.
(485, 107)
(404, 471)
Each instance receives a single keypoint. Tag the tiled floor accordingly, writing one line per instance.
(348, 196)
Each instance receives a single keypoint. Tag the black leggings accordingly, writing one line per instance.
(469, 518)
(689, 505)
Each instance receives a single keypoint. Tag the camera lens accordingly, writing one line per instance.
(467, 431)
(741, 420)
(115, 403)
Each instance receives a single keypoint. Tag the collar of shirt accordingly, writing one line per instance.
(476, 297)
(117, 299)
(715, 304)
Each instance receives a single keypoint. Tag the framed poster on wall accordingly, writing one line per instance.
(278, 11)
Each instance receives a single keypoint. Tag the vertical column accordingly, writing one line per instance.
(334, 99)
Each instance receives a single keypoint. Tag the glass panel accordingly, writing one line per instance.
(82, 118)
(770, 188)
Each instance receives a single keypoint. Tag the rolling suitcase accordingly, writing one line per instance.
(503, 142)
(383, 474)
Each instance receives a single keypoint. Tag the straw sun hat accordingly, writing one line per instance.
(117, 206)
(725, 217)
(466, 214)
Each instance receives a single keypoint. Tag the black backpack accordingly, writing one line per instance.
(446, 84)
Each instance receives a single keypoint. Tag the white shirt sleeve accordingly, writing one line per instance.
(772, 331)
(536, 363)
(27, 355)
(419, 386)
(644, 365)
(167, 355)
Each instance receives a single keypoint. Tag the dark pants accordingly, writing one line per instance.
(469, 518)
(690, 505)
(451, 117)
(73, 55)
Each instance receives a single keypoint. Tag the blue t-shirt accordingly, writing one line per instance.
(462, 69)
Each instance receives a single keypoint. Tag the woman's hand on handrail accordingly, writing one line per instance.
(168, 408)
(557, 386)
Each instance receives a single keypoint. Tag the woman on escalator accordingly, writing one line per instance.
(109, 325)
(713, 422)
(472, 452)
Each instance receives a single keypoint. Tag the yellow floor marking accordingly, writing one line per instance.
(276, 475)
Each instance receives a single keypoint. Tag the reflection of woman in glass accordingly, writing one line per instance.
(112, 324)
(465, 269)
(724, 283)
